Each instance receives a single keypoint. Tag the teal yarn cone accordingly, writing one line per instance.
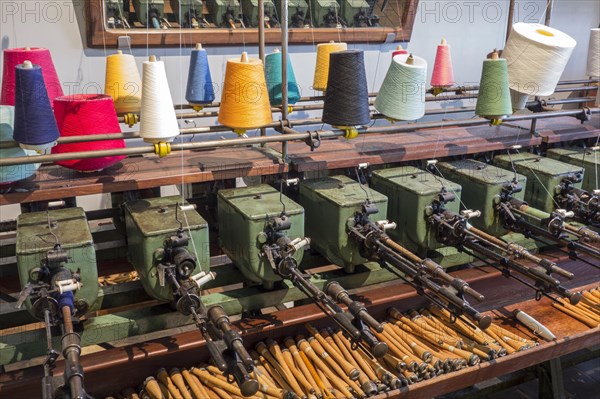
(494, 100)
(273, 77)
(402, 93)
(10, 174)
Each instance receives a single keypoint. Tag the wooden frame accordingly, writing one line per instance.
(99, 35)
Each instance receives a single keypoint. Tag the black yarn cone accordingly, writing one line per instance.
(347, 95)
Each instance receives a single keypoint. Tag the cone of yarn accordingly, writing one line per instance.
(83, 115)
(347, 96)
(399, 50)
(322, 66)
(123, 83)
(443, 74)
(493, 99)
(536, 55)
(593, 61)
(38, 56)
(10, 174)
(402, 93)
(245, 99)
(273, 75)
(35, 126)
(158, 121)
(200, 89)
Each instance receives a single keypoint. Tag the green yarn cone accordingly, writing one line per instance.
(493, 100)
(274, 79)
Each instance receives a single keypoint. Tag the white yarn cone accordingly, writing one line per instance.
(402, 93)
(536, 56)
(158, 122)
(593, 61)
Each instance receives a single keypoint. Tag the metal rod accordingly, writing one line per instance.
(261, 41)
(509, 21)
(296, 136)
(284, 71)
(297, 122)
(374, 94)
(548, 13)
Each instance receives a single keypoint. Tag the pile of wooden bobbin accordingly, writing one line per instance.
(586, 311)
(326, 364)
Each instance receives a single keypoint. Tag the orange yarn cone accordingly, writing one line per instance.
(245, 99)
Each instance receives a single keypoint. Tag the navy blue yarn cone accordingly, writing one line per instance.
(34, 119)
(200, 86)
(347, 96)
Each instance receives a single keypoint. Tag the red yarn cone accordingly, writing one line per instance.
(37, 56)
(399, 50)
(87, 114)
(442, 75)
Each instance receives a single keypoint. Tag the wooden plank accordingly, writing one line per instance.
(136, 173)
(440, 142)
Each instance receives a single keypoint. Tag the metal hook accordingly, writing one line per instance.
(177, 216)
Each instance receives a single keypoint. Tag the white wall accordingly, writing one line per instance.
(473, 29)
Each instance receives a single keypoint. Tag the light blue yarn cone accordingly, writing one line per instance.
(9, 174)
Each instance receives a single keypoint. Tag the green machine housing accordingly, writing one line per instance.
(186, 10)
(221, 11)
(145, 8)
(297, 12)
(330, 205)
(149, 223)
(244, 214)
(250, 10)
(324, 12)
(543, 176)
(114, 10)
(34, 240)
(410, 191)
(350, 9)
(482, 185)
(586, 158)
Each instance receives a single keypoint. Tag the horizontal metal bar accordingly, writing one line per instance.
(397, 128)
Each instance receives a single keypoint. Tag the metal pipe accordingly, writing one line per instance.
(261, 42)
(548, 13)
(298, 122)
(279, 138)
(374, 94)
(284, 71)
(509, 21)
(314, 107)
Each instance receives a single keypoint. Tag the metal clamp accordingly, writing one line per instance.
(162, 149)
(313, 140)
(585, 115)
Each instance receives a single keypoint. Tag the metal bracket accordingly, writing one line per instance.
(313, 140)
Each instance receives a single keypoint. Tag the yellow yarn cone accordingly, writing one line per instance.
(322, 66)
(123, 83)
(245, 99)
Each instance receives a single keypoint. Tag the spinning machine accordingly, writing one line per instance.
(307, 262)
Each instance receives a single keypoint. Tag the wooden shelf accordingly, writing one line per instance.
(54, 182)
